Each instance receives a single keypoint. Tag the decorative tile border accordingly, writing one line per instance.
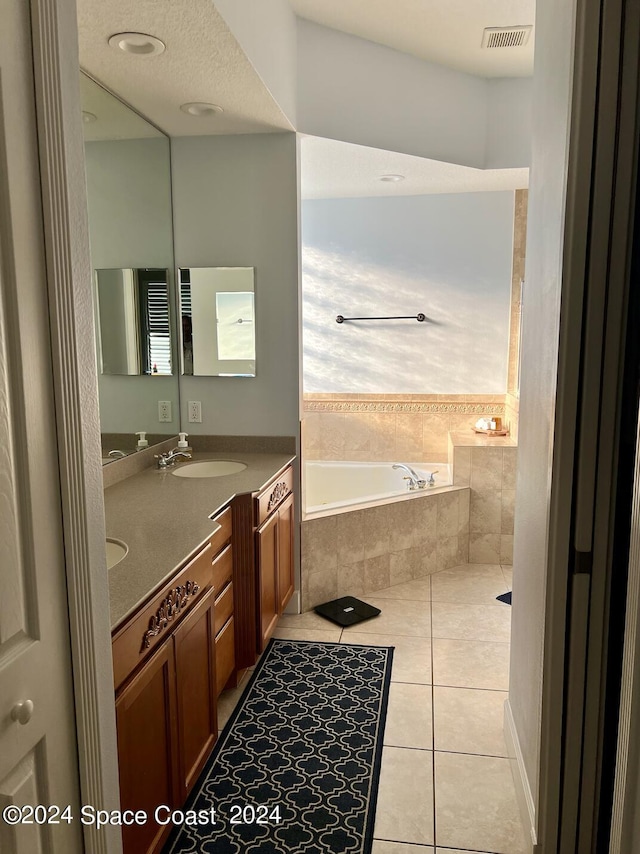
(464, 408)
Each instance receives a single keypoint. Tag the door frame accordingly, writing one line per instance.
(56, 64)
(68, 269)
(586, 486)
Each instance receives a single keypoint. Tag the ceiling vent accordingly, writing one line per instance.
(506, 36)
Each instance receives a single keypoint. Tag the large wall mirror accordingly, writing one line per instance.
(128, 171)
(217, 309)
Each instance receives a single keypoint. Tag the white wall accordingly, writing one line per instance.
(129, 194)
(541, 314)
(235, 204)
(266, 31)
(357, 91)
(448, 256)
(509, 128)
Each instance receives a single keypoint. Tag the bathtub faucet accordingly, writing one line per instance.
(415, 481)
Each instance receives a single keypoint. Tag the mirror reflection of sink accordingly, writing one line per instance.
(208, 468)
(116, 550)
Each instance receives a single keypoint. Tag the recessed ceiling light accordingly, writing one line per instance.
(138, 44)
(88, 118)
(392, 179)
(200, 108)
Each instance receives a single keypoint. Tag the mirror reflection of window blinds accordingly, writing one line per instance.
(185, 299)
(159, 340)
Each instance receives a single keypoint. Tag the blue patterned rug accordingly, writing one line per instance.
(297, 766)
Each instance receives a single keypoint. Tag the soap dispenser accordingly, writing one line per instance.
(142, 440)
(182, 442)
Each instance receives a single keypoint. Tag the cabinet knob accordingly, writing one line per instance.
(22, 712)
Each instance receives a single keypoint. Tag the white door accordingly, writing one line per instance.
(38, 755)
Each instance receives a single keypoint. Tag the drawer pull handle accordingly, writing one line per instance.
(174, 602)
(279, 492)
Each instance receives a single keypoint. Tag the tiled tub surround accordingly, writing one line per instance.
(488, 467)
(512, 414)
(361, 551)
(389, 427)
(337, 484)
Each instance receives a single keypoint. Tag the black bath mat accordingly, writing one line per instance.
(347, 611)
(301, 752)
(505, 597)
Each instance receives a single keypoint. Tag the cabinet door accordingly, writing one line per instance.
(286, 564)
(267, 554)
(225, 656)
(194, 641)
(148, 748)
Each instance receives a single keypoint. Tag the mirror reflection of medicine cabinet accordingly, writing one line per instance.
(134, 322)
(217, 311)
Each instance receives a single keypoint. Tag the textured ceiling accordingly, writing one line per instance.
(333, 169)
(448, 32)
(114, 120)
(202, 62)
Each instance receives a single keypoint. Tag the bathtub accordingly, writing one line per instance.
(336, 486)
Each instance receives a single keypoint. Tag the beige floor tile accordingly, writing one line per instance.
(405, 798)
(411, 656)
(471, 583)
(308, 620)
(476, 804)
(507, 571)
(471, 664)
(329, 636)
(398, 617)
(456, 851)
(380, 847)
(469, 721)
(228, 700)
(471, 622)
(417, 590)
(409, 717)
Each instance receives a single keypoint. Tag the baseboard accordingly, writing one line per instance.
(293, 606)
(524, 795)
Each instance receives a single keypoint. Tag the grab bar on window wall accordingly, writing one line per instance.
(419, 317)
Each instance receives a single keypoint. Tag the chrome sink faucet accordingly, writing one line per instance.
(168, 459)
(415, 481)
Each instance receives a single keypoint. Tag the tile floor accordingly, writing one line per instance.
(445, 785)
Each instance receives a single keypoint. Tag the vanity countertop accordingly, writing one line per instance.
(165, 519)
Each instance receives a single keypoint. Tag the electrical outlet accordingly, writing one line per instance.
(195, 412)
(164, 411)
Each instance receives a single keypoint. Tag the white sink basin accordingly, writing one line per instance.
(116, 550)
(208, 468)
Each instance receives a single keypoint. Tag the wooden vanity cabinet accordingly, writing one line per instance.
(167, 725)
(195, 661)
(267, 578)
(274, 554)
(263, 563)
(146, 721)
(286, 561)
(165, 661)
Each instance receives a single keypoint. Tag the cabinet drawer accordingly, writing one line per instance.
(224, 607)
(273, 496)
(222, 569)
(221, 537)
(225, 656)
(147, 629)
